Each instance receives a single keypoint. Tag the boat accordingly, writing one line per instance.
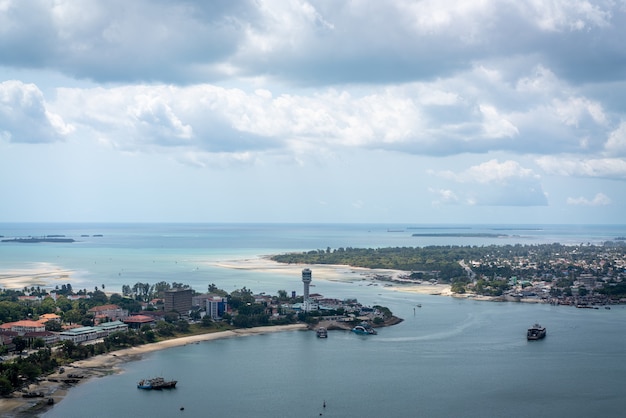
(364, 329)
(322, 332)
(156, 383)
(536, 332)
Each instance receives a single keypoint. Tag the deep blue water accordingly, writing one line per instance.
(448, 358)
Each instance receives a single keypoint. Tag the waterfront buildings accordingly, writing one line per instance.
(178, 300)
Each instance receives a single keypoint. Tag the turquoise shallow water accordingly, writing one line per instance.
(448, 358)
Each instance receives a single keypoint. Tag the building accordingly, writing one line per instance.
(24, 326)
(84, 334)
(216, 307)
(107, 313)
(137, 321)
(49, 317)
(307, 276)
(178, 300)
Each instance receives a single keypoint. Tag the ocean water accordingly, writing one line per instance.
(449, 358)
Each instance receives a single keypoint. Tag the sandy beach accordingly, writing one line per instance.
(341, 273)
(54, 388)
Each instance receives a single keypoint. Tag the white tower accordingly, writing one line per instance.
(306, 279)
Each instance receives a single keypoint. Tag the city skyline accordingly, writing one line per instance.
(318, 112)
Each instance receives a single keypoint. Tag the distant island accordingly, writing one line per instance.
(35, 240)
(460, 235)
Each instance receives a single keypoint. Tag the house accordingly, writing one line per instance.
(106, 313)
(24, 326)
(49, 317)
(137, 321)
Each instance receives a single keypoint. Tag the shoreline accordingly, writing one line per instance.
(337, 273)
(110, 363)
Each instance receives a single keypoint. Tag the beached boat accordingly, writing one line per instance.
(364, 330)
(322, 332)
(156, 384)
(536, 332)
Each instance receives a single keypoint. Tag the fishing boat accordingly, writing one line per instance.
(536, 332)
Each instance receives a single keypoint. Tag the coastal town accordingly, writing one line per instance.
(45, 332)
(582, 275)
(42, 352)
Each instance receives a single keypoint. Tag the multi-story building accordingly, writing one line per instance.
(178, 300)
(216, 307)
(107, 313)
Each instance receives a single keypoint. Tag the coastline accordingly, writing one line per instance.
(105, 364)
(109, 363)
(338, 273)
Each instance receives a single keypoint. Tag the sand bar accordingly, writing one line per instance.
(339, 273)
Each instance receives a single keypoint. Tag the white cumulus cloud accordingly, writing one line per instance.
(599, 199)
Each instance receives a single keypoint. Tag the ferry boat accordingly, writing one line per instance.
(322, 332)
(364, 330)
(156, 383)
(536, 332)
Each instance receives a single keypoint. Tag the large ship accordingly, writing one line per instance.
(156, 383)
(536, 332)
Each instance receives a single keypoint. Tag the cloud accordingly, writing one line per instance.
(609, 168)
(599, 199)
(616, 144)
(313, 43)
(24, 115)
(493, 184)
(491, 172)
(444, 197)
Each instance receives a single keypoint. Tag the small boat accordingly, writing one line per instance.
(144, 384)
(322, 332)
(364, 330)
(536, 332)
(156, 383)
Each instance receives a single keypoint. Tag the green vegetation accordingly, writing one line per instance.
(441, 262)
(493, 267)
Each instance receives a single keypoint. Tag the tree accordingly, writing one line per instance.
(164, 328)
(73, 316)
(47, 306)
(20, 343)
(39, 343)
(207, 321)
(63, 303)
(182, 326)
(68, 347)
(54, 326)
(5, 386)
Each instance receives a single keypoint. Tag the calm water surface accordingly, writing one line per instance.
(449, 358)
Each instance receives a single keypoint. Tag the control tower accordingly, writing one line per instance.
(306, 279)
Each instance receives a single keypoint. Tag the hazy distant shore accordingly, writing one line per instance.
(109, 363)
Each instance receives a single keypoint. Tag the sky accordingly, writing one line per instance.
(363, 111)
